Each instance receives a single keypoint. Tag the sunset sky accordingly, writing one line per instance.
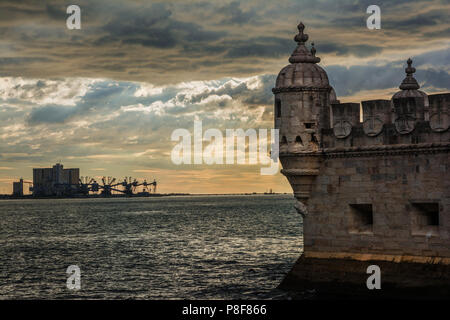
(106, 98)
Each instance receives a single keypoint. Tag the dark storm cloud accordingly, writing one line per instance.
(417, 21)
(351, 80)
(21, 60)
(167, 42)
(362, 50)
(154, 26)
(235, 15)
(55, 11)
(260, 47)
(439, 59)
(442, 33)
(390, 19)
(274, 47)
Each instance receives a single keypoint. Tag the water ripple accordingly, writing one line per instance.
(221, 247)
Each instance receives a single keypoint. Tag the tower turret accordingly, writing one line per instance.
(303, 98)
(409, 104)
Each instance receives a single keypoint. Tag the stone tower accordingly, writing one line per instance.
(303, 98)
(371, 192)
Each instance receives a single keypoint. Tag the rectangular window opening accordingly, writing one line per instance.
(361, 218)
(425, 218)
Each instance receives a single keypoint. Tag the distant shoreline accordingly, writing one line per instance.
(29, 197)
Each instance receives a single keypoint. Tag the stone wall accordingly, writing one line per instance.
(399, 189)
(379, 183)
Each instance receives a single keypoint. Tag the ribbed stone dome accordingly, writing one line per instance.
(302, 75)
(410, 94)
(303, 72)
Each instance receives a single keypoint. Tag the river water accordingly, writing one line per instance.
(184, 247)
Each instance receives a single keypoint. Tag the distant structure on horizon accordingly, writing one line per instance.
(376, 190)
(54, 181)
(18, 187)
(60, 182)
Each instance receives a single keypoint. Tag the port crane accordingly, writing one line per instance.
(109, 186)
(87, 184)
(146, 184)
(130, 186)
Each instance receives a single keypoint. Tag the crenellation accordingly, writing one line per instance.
(376, 114)
(439, 112)
(402, 121)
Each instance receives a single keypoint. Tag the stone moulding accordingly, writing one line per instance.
(378, 257)
(380, 150)
(300, 172)
(300, 89)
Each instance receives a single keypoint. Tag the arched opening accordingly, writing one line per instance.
(298, 139)
(283, 140)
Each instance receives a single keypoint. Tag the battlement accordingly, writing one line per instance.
(402, 120)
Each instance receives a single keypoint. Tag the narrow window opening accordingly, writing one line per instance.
(314, 139)
(298, 140)
(309, 125)
(278, 108)
(283, 140)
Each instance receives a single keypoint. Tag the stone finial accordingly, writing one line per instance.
(301, 54)
(313, 50)
(409, 83)
(301, 37)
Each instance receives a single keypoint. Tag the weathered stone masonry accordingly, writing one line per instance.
(376, 189)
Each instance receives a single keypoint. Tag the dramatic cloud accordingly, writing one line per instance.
(119, 126)
(172, 41)
(353, 79)
(106, 98)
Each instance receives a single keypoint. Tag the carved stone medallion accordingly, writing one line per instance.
(405, 111)
(342, 129)
(439, 121)
(373, 126)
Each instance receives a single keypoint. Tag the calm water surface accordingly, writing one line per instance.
(187, 247)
